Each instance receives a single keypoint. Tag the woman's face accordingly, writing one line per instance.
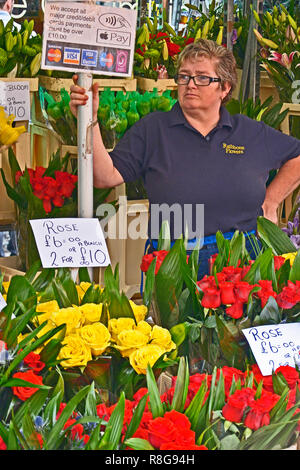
(191, 96)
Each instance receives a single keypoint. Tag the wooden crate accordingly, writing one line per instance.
(54, 85)
(9, 272)
(267, 88)
(163, 84)
(285, 207)
(23, 155)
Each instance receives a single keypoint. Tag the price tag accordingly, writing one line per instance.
(82, 37)
(70, 242)
(274, 345)
(15, 98)
(2, 303)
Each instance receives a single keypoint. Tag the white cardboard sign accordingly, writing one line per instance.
(81, 37)
(15, 98)
(2, 303)
(274, 345)
(70, 242)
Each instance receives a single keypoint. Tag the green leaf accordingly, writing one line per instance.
(136, 418)
(149, 284)
(154, 397)
(181, 386)
(138, 444)
(295, 269)
(115, 424)
(274, 237)
(13, 194)
(230, 442)
(232, 351)
(270, 314)
(54, 433)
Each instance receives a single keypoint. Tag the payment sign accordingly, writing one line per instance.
(71, 56)
(89, 58)
(106, 60)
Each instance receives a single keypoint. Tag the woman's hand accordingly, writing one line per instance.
(79, 97)
(270, 212)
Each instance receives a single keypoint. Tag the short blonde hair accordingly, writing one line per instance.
(224, 59)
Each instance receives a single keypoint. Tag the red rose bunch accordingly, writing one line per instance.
(34, 364)
(289, 296)
(52, 191)
(147, 260)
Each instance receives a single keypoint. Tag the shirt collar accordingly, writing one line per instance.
(176, 117)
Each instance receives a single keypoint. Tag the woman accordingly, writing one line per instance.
(197, 155)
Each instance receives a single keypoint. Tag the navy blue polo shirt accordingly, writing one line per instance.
(226, 170)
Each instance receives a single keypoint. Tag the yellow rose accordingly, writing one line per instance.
(162, 337)
(96, 337)
(46, 309)
(74, 352)
(139, 311)
(290, 256)
(129, 340)
(144, 328)
(48, 327)
(71, 316)
(116, 325)
(5, 285)
(83, 287)
(140, 358)
(91, 312)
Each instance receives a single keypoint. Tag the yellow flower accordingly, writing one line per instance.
(91, 312)
(46, 309)
(48, 327)
(140, 358)
(290, 256)
(83, 287)
(116, 325)
(129, 340)
(139, 311)
(4, 297)
(5, 285)
(96, 337)
(144, 328)
(162, 337)
(74, 352)
(71, 316)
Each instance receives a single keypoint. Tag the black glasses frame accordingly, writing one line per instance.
(211, 79)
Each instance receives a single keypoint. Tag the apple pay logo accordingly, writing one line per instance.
(113, 37)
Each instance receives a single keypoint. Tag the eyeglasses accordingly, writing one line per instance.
(199, 80)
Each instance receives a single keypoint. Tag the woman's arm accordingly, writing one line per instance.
(286, 180)
(105, 174)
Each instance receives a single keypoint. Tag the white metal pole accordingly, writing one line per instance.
(85, 151)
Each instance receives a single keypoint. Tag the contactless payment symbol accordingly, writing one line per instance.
(89, 58)
(71, 56)
(106, 60)
(121, 61)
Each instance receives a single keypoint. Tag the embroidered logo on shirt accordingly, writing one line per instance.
(233, 149)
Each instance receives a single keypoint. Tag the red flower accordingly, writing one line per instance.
(242, 290)
(40, 439)
(47, 205)
(33, 361)
(255, 419)
(76, 431)
(211, 298)
(175, 446)
(235, 310)
(146, 261)
(173, 49)
(289, 296)
(232, 274)
(265, 292)
(278, 262)
(25, 392)
(189, 41)
(18, 175)
(237, 404)
(180, 420)
(2, 444)
(227, 292)
(290, 374)
(161, 430)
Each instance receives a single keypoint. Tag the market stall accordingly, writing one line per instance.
(124, 349)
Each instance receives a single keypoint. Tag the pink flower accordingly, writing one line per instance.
(283, 59)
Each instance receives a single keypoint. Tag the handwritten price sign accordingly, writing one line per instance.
(274, 345)
(70, 242)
